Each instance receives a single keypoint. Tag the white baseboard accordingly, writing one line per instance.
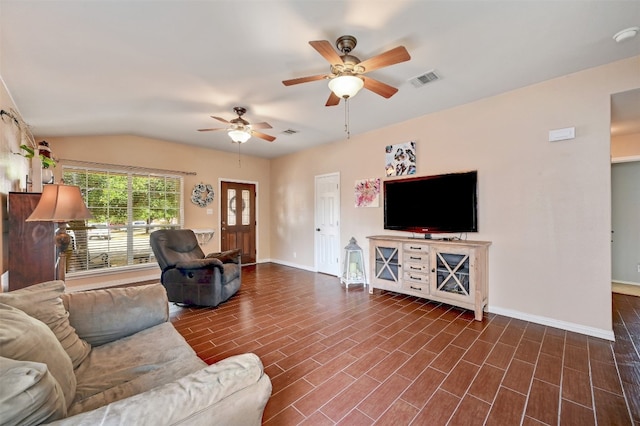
(293, 265)
(563, 325)
(625, 282)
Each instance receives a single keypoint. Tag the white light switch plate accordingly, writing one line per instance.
(562, 134)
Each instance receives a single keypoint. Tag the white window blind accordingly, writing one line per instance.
(127, 206)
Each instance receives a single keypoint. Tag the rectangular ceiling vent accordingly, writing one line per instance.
(427, 77)
(290, 132)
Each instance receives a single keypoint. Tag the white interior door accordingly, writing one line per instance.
(327, 230)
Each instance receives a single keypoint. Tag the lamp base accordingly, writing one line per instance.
(62, 240)
(61, 267)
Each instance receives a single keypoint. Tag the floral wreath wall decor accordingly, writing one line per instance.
(202, 194)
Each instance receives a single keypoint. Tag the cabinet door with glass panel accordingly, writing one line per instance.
(386, 261)
(452, 272)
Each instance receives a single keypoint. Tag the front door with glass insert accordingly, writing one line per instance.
(238, 219)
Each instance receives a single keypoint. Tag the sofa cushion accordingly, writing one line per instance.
(103, 316)
(132, 365)
(42, 301)
(24, 338)
(29, 394)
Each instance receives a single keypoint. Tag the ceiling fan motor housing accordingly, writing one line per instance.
(346, 43)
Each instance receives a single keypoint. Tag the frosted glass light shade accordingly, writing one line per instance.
(346, 86)
(239, 136)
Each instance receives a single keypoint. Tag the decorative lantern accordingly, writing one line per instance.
(353, 270)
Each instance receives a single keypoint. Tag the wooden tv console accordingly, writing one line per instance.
(449, 271)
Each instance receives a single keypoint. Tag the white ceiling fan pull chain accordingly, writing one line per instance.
(346, 118)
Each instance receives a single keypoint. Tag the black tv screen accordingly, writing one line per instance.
(432, 204)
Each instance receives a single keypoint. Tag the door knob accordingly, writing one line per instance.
(318, 229)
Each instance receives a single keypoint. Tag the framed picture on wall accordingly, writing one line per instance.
(400, 159)
(367, 192)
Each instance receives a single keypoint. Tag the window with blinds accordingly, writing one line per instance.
(127, 206)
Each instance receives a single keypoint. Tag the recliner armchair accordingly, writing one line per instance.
(189, 276)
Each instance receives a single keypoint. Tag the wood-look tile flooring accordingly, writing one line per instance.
(338, 356)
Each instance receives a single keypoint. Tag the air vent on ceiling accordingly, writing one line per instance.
(427, 77)
(290, 132)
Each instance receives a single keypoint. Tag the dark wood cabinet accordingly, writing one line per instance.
(32, 252)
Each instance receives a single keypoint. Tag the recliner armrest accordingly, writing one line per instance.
(233, 255)
(198, 264)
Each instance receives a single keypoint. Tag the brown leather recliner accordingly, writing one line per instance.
(189, 276)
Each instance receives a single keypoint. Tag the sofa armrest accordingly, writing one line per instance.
(231, 392)
(103, 316)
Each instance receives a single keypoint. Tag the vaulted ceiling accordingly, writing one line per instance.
(162, 68)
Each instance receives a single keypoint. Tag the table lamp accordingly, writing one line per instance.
(60, 204)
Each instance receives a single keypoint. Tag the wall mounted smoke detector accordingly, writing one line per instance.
(626, 34)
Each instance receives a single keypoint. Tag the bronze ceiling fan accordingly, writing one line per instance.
(349, 71)
(240, 130)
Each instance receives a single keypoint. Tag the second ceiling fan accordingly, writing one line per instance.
(240, 130)
(346, 76)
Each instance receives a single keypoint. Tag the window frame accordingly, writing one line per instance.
(129, 226)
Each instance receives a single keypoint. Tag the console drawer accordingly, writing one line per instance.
(413, 267)
(416, 283)
(416, 277)
(415, 247)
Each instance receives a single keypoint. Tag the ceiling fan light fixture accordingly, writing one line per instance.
(239, 135)
(346, 86)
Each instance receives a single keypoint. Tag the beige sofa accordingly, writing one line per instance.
(111, 357)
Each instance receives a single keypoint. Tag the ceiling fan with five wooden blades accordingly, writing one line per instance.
(240, 130)
(349, 70)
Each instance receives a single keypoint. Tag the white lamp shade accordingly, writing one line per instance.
(346, 86)
(60, 203)
(239, 136)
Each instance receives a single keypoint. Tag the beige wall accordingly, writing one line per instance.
(625, 145)
(14, 169)
(545, 206)
(210, 166)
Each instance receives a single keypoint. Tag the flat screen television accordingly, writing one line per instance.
(444, 203)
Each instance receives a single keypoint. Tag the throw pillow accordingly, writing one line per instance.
(29, 394)
(24, 338)
(42, 301)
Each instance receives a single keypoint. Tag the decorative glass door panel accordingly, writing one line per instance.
(387, 267)
(452, 273)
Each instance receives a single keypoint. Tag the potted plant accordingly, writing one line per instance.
(46, 160)
(30, 152)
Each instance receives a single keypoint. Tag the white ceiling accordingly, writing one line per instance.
(162, 68)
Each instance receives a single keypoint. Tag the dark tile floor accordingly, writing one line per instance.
(338, 356)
